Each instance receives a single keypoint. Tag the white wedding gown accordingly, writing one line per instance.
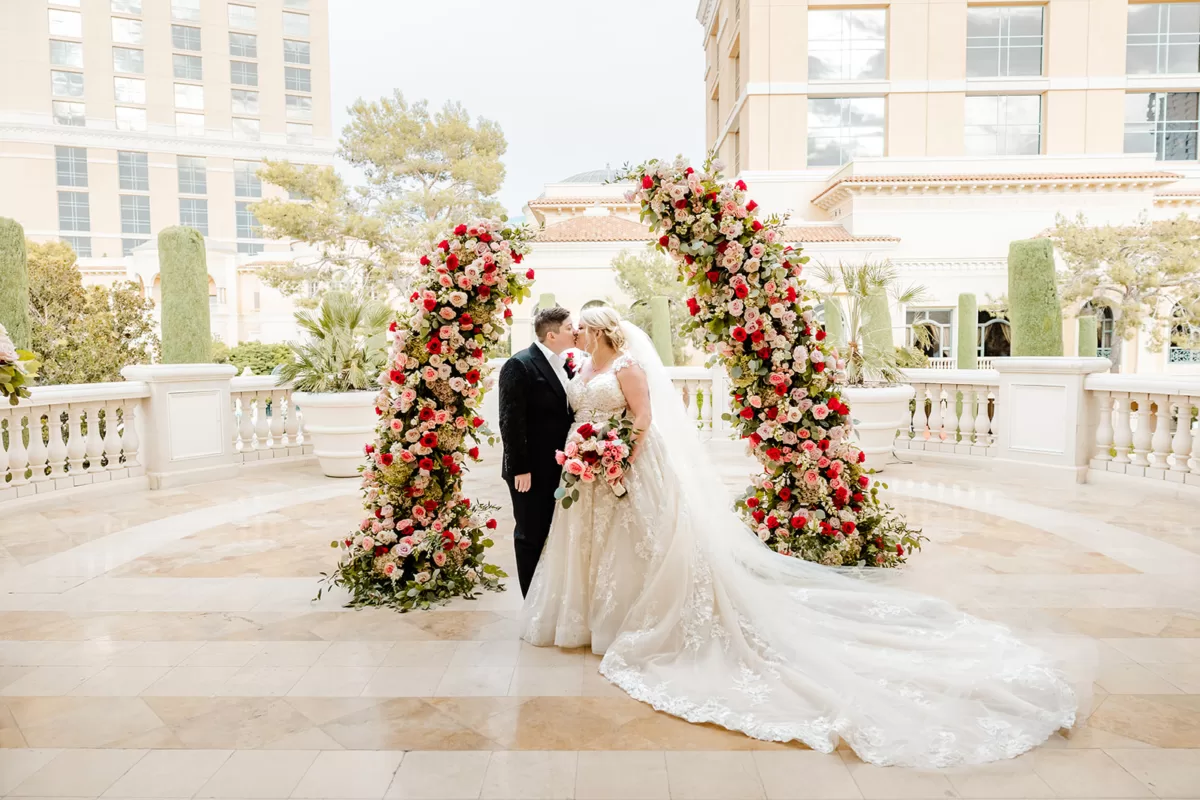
(695, 616)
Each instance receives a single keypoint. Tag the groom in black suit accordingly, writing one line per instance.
(534, 421)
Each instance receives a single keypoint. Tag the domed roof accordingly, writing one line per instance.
(592, 176)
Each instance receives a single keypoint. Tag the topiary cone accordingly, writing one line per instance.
(968, 332)
(14, 283)
(1087, 341)
(1034, 311)
(186, 327)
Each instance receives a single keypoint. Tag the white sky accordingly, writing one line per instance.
(574, 84)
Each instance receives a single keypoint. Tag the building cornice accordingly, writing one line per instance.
(993, 265)
(1028, 85)
(1177, 199)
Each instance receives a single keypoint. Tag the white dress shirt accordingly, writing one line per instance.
(556, 363)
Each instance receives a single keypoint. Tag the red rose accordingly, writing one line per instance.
(445, 245)
(799, 521)
(847, 527)
(738, 333)
(841, 495)
(477, 353)
(517, 257)
(430, 505)
(426, 414)
(451, 261)
(508, 313)
(791, 294)
(434, 346)
(430, 304)
(780, 390)
(747, 413)
(664, 240)
(742, 291)
(757, 337)
(647, 182)
(460, 230)
(752, 502)
(485, 292)
(529, 274)
(785, 494)
(774, 454)
(740, 185)
(491, 524)
(862, 456)
(712, 276)
(447, 460)
(688, 171)
(688, 259)
(379, 411)
(693, 306)
(477, 421)
(425, 262)
(370, 448)
(392, 326)
(466, 321)
(472, 376)
(756, 225)
(681, 204)
(425, 464)
(864, 481)
(772, 522)
(772, 412)
(819, 367)
(755, 439)
(586, 430)
(429, 440)
(821, 335)
(396, 376)
(485, 237)
(473, 452)
(857, 497)
(823, 444)
(386, 459)
(751, 205)
(899, 549)
(758, 516)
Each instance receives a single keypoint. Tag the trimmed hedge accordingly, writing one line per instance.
(1086, 345)
(1035, 313)
(14, 283)
(186, 327)
(968, 332)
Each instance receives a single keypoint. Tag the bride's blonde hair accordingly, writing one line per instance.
(606, 321)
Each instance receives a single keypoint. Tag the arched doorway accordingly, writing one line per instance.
(995, 336)
(1185, 338)
(929, 331)
(1105, 326)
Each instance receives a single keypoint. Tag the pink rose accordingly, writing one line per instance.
(575, 467)
(588, 477)
(572, 449)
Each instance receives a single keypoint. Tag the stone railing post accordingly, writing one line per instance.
(189, 427)
(1047, 425)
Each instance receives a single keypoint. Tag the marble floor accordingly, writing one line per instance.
(166, 645)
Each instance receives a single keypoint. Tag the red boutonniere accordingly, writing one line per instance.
(570, 361)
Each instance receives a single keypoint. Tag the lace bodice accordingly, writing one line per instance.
(600, 397)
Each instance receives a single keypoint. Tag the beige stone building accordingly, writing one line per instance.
(956, 127)
(121, 117)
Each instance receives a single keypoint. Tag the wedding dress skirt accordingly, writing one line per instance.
(712, 626)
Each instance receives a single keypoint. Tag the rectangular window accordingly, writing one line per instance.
(127, 245)
(66, 54)
(243, 73)
(188, 95)
(193, 175)
(127, 60)
(1163, 123)
(185, 10)
(297, 52)
(242, 17)
(245, 101)
(298, 106)
(130, 90)
(245, 179)
(131, 119)
(68, 113)
(245, 130)
(295, 24)
(66, 23)
(847, 44)
(135, 213)
(71, 164)
(134, 171)
(1004, 126)
(126, 31)
(127, 6)
(189, 124)
(193, 212)
(247, 223)
(244, 45)
(185, 38)
(252, 249)
(300, 4)
(66, 84)
(189, 68)
(299, 133)
(296, 79)
(82, 245)
(841, 129)
(1163, 39)
(1004, 41)
(73, 212)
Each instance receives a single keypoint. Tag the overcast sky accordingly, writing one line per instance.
(574, 84)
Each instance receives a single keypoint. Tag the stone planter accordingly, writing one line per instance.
(340, 425)
(878, 412)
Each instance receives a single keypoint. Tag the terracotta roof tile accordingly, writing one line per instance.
(595, 229)
(615, 200)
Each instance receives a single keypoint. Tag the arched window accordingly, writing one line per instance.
(935, 322)
(1105, 326)
(995, 336)
(1185, 338)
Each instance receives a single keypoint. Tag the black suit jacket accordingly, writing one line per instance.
(534, 416)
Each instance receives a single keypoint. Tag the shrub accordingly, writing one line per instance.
(262, 359)
(968, 332)
(1034, 309)
(14, 283)
(186, 329)
(347, 345)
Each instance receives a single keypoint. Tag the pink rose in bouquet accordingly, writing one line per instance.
(596, 452)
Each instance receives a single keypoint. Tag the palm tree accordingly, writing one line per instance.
(346, 347)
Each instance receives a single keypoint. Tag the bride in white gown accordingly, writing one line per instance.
(695, 616)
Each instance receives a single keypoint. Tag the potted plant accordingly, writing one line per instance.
(879, 399)
(334, 377)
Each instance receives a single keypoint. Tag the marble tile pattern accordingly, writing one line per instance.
(167, 645)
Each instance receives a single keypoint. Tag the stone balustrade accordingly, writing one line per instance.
(1146, 427)
(268, 423)
(954, 411)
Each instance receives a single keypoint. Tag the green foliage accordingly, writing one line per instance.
(1036, 315)
(424, 171)
(911, 358)
(871, 356)
(186, 329)
(1087, 341)
(346, 348)
(660, 329)
(262, 359)
(644, 275)
(968, 332)
(835, 322)
(14, 283)
(85, 334)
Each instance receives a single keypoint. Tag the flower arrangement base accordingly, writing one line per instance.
(341, 425)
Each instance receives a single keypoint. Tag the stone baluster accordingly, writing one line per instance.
(130, 443)
(1104, 426)
(918, 417)
(935, 412)
(706, 410)
(1160, 442)
(112, 435)
(277, 440)
(982, 423)
(991, 424)
(1122, 436)
(261, 426)
(246, 422)
(4, 462)
(1181, 442)
(57, 452)
(38, 453)
(292, 428)
(1141, 433)
(18, 456)
(1195, 447)
(76, 446)
(95, 444)
(966, 421)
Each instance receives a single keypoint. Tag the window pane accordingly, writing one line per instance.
(245, 102)
(843, 128)
(247, 223)
(242, 17)
(296, 79)
(186, 10)
(126, 60)
(251, 248)
(189, 68)
(999, 125)
(66, 23)
(66, 84)
(82, 245)
(134, 171)
(135, 213)
(127, 31)
(185, 38)
(127, 6)
(245, 179)
(1164, 123)
(847, 44)
(1163, 38)
(295, 24)
(189, 124)
(68, 113)
(244, 45)
(298, 107)
(1004, 41)
(189, 96)
(131, 119)
(130, 90)
(73, 212)
(245, 130)
(298, 133)
(296, 52)
(194, 214)
(71, 166)
(243, 73)
(301, 4)
(66, 54)
(127, 245)
(193, 175)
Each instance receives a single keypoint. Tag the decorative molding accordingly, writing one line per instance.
(1033, 85)
(1177, 199)
(994, 265)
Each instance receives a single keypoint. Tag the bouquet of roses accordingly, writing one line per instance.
(593, 453)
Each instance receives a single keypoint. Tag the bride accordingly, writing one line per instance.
(695, 616)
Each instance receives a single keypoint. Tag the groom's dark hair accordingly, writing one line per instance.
(549, 319)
